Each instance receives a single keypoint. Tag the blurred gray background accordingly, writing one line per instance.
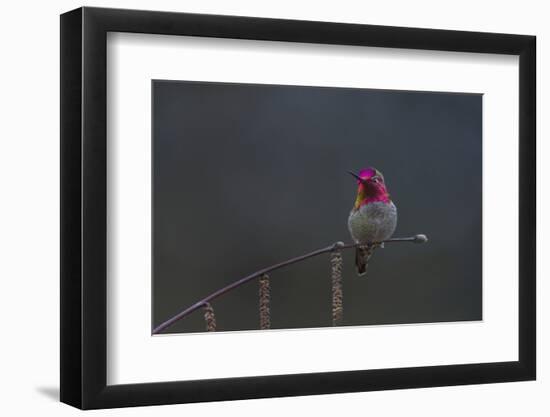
(247, 175)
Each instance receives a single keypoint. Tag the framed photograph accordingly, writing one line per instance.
(257, 208)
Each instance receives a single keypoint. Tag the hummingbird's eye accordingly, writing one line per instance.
(376, 178)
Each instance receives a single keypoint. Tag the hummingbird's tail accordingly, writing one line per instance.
(362, 256)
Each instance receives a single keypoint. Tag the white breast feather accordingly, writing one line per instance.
(373, 222)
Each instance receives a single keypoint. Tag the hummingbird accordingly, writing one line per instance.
(373, 217)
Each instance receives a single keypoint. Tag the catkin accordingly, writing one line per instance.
(264, 296)
(337, 293)
(209, 318)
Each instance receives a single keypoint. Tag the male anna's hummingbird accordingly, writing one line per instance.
(373, 217)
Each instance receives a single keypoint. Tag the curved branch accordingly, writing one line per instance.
(259, 273)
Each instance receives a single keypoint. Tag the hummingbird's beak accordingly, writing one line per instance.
(357, 177)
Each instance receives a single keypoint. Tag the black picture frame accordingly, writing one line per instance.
(83, 207)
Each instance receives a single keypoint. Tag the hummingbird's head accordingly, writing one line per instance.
(370, 187)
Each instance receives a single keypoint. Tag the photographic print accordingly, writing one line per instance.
(328, 185)
(241, 188)
(329, 190)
